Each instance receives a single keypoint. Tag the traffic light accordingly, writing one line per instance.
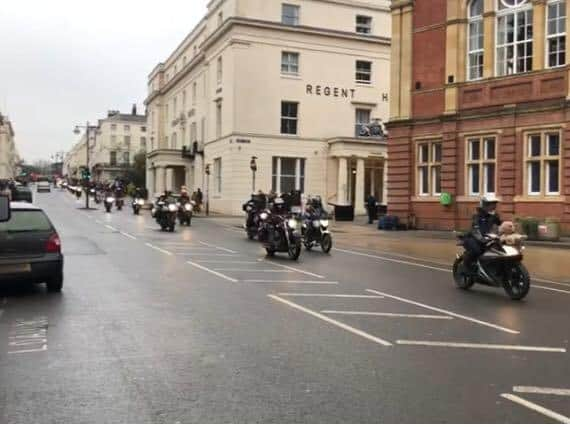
(86, 174)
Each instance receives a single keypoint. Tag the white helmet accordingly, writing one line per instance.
(488, 199)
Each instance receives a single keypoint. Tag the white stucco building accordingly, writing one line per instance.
(8, 153)
(287, 82)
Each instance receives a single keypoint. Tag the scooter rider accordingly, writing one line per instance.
(184, 196)
(485, 221)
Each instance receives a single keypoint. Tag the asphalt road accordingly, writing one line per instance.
(199, 326)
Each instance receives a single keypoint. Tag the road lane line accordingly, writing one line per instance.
(158, 249)
(542, 390)
(215, 273)
(332, 321)
(111, 228)
(403, 315)
(252, 270)
(228, 262)
(292, 294)
(551, 289)
(398, 261)
(128, 235)
(204, 254)
(318, 276)
(450, 313)
(481, 346)
(537, 408)
(218, 247)
(292, 282)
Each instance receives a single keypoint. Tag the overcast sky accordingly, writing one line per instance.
(63, 62)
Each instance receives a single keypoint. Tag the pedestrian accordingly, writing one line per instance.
(199, 197)
(371, 208)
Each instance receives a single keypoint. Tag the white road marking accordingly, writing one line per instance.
(450, 313)
(318, 276)
(537, 279)
(111, 228)
(332, 321)
(158, 249)
(30, 334)
(223, 276)
(223, 261)
(292, 282)
(403, 315)
(381, 258)
(537, 408)
(542, 390)
(482, 346)
(218, 247)
(204, 254)
(289, 294)
(253, 270)
(550, 289)
(128, 235)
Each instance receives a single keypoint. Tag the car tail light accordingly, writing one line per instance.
(53, 244)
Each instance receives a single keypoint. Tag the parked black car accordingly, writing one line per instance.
(21, 193)
(30, 248)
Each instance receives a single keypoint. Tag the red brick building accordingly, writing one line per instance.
(480, 103)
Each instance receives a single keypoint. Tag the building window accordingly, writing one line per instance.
(127, 140)
(542, 159)
(556, 34)
(175, 108)
(194, 92)
(126, 158)
(289, 14)
(143, 143)
(219, 119)
(127, 128)
(362, 119)
(113, 158)
(113, 140)
(220, 71)
(288, 175)
(289, 117)
(364, 72)
(514, 37)
(218, 175)
(183, 101)
(475, 41)
(363, 24)
(290, 63)
(429, 168)
(481, 166)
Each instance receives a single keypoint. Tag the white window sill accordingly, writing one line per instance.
(291, 76)
(364, 84)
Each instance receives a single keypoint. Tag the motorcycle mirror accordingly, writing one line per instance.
(5, 211)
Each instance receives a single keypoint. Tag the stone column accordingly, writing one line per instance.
(539, 34)
(169, 179)
(372, 183)
(489, 19)
(385, 183)
(342, 184)
(150, 181)
(160, 176)
(359, 208)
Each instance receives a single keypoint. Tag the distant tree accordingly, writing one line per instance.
(136, 173)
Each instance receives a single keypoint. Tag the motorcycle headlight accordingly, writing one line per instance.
(248, 208)
(292, 223)
(188, 206)
(264, 216)
(110, 200)
(316, 223)
(153, 211)
(140, 202)
(172, 207)
(325, 222)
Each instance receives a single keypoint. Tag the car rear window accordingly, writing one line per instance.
(26, 221)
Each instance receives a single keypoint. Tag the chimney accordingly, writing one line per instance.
(134, 109)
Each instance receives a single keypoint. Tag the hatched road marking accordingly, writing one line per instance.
(215, 273)
(537, 408)
(542, 390)
(403, 315)
(482, 346)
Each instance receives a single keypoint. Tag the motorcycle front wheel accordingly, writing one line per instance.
(294, 250)
(460, 276)
(517, 282)
(326, 244)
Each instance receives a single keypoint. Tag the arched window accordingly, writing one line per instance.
(475, 40)
(556, 33)
(514, 36)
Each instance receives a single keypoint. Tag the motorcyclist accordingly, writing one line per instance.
(138, 194)
(184, 196)
(485, 221)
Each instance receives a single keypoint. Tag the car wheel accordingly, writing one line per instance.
(55, 284)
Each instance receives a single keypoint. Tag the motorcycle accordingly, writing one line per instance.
(78, 193)
(98, 197)
(185, 213)
(109, 201)
(119, 203)
(280, 233)
(315, 231)
(137, 206)
(165, 215)
(252, 209)
(500, 266)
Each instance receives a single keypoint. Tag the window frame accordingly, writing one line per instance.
(277, 175)
(557, 35)
(368, 26)
(219, 70)
(297, 17)
(482, 162)
(478, 19)
(357, 125)
(289, 54)
(357, 72)
(289, 118)
(525, 7)
(543, 159)
(431, 166)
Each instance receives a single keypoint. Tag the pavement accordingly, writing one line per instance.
(200, 326)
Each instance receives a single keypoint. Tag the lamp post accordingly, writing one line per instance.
(208, 172)
(77, 131)
(253, 167)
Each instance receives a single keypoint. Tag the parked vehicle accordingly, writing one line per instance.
(137, 205)
(30, 248)
(21, 193)
(43, 186)
(109, 201)
(185, 212)
(499, 266)
(279, 230)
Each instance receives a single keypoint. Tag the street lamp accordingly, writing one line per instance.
(208, 172)
(253, 167)
(77, 131)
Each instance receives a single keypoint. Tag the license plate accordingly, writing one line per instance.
(15, 268)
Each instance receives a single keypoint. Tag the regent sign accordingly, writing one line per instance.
(334, 92)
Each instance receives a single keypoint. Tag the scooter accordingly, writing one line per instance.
(109, 201)
(316, 232)
(137, 206)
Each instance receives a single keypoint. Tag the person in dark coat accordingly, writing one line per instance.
(371, 203)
